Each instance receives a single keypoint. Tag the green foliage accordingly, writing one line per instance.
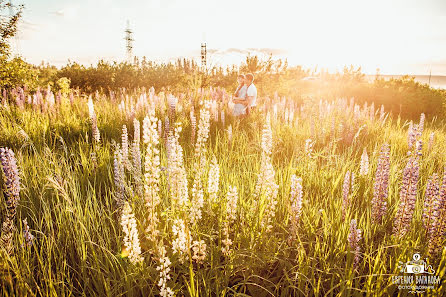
(63, 85)
(17, 72)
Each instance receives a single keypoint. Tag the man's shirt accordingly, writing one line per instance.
(252, 92)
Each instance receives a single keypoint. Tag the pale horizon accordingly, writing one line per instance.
(403, 38)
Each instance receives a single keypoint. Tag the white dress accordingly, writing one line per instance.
(240, 109)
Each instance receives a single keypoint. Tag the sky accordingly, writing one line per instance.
(396, 36)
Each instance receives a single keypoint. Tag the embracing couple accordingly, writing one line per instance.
(245, 96)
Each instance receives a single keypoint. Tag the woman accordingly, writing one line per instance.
(239, 97)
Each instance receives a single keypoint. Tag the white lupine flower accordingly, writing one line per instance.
(136, 157)
(267, 137)
(164, 269)
(199, 251)
(181, 243)
(364, 168)
(177, 176)
(193, 126)
(151, 173)
(203, 132)
(266, 186)
(197, 203)
(226, 241)
(213, 181)
(137, 131)
(131, 239)
(94, 121)
(125, 146)
(309, 147)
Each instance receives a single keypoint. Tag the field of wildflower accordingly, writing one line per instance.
(146, 193)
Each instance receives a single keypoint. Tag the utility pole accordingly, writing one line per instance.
(129, 42)
(203, 57)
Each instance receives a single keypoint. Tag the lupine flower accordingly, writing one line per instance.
(176, 171)
(11, 180)
(381, 112)
(131, 239)
(346, 193)
(226, 241)
(182, 241)
(136, 157)
(197, 202)
(309, 147)
(421, 124)
(119, 178)
(380, 188)
(266, 186)
(125, 146)
(354, 237)
(94, 122)
(160, 128)
(431, 205)
(437, 232)
(222, 117)
(172, 102)
(164, 269)
(199, 251)
(296, 204)
(27, 236)
(151, 173)
(203, 132)
(408, 196)
(364, 166)
(419, 148)
(412, 135)
(431, 141)
(166, 128)
(213, 180)
(193, 126)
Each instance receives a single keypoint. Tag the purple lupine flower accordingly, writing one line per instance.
(380, 188)
(419, 148)
(412, 135)
(408, 196)
(431, 203)
(11, 179)
(354, 237)
(27, 236)
(421, 124)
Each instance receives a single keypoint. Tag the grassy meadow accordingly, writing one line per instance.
(293, 200)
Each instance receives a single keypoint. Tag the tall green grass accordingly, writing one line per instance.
(68, 201)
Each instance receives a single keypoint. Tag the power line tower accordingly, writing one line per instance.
(203, 56)
(129, 42)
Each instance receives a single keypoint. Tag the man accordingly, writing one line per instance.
(251, 92)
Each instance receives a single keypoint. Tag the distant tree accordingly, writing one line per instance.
(8, 24)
